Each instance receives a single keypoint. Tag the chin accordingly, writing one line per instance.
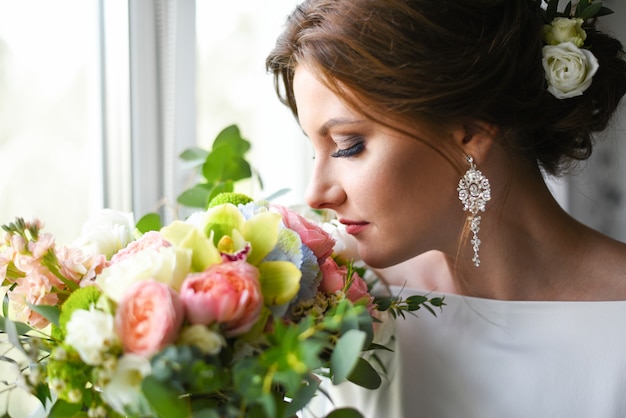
(381, 260)
(377, 260)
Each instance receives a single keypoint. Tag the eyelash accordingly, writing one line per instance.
(349, 152)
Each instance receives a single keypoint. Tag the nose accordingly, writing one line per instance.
(324, 190)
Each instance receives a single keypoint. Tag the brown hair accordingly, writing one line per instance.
(451, 60)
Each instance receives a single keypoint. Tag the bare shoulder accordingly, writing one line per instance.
(602, 274)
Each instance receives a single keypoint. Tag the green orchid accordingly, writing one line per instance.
(224, 230)
(184, 235)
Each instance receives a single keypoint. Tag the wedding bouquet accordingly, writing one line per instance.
(235, 311)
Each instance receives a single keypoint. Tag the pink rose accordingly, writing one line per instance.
(312, 235)
(150, 240)
(228, 293)
(148, 317)
(358, 291)
(334, 277)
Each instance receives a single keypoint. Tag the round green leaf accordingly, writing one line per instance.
(346, 354)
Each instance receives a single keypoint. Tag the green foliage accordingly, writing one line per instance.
(217, 172)
(276, 380)
(585, 9)
(399, 307)
(81, 298)
(223, 166)
(149, 222)
(20, 327)
(345, 413)
(163, 399)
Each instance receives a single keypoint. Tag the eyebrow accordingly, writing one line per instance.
(323, 130)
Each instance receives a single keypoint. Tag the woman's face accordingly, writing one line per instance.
(395, 194)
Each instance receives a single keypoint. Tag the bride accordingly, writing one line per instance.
(434, 123)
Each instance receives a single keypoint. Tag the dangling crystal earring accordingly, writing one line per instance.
(474, 192)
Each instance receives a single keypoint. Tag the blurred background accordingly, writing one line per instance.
(98, 98)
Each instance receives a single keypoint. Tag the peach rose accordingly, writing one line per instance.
(227, 293)
(148, 317)
(312, 235)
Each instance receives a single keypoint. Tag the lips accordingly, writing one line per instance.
(353, 227)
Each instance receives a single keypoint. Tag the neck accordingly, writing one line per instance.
(531, 249)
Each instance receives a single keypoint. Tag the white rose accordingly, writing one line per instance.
(106, 233)
(563, 29)
(345, 244)
(169, 265)
(568, 69)
(123, 393)
(91, 333)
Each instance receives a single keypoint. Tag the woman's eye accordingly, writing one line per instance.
(349, 152)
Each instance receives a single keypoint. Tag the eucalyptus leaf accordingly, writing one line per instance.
(51, 313)
(604, 11)
(194, 154)
(303, 396)
(591, 11)
(222, 165)
(149, 222)
(231, 138)
(365, 375)
(164, 399)
(20, 327)
(345, 413)
(580, 7)
(14, 339)
(42, 392)
(196, 197)
(346, 354)
(64, 409)
(383, 303)
(5, 305)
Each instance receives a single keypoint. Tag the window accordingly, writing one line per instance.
(50, 105)
(233, 39)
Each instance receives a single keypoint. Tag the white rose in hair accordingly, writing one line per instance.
(569, 69)
(563, 29)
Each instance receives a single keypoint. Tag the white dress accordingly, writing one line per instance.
(500, 359)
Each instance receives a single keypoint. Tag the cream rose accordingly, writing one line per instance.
(569, 69)
(563, 29)
(106, 232)
(169, 265)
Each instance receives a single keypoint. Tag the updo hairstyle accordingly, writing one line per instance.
(451, 61)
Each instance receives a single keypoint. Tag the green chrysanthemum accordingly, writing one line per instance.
(81, 298)
(230, 197)
(67, 375)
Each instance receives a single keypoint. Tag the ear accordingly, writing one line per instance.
(476, 138)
